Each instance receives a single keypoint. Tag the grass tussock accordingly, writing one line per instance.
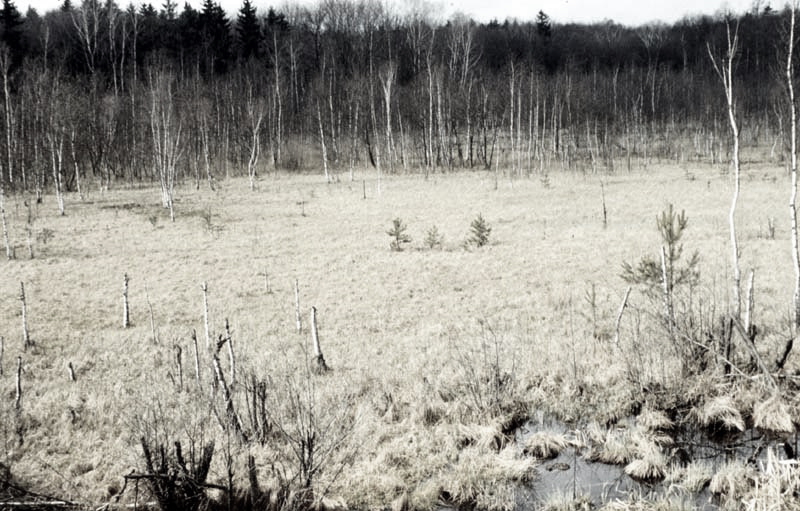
(567, 502)
(484, 437)
(692, 477)
(733, 480)
(773, 415)
(654, 420)
(720, 413)
(612, 446)
(650, 463)
(485, 482)
(544, 445)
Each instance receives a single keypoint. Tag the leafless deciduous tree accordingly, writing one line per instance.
(723, 65)
(793, 143)
(255, 116)
(166, 131)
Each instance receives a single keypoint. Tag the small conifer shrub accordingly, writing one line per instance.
(479, 232)
(398, 235)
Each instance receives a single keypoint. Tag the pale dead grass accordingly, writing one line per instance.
(773, 415)
(720, 411)
(389, 323)
(693, 477)
(545, 445)
(733, 480)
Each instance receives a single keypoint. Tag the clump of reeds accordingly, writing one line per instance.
(567, 502)
(719, 413)
(545, 445)
(773, 415)
(612, 446)
(654, 420)
(733, 479)
(485, 482)
(486, 437)
(650, 463)
(692, 477)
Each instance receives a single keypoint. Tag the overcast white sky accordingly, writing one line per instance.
(628, 12)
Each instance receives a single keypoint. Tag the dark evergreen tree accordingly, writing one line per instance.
(10, 21)
(248, 31)
(215, 31)
(276, 20)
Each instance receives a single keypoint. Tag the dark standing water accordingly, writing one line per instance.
(571, 476)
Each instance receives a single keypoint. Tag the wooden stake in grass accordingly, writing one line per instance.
(231, 357)
(297, 318)
(18, 399)
(619, 315)
(320, 360)
(179, 364)
(152, 319)
(26, 338)
(126, 312)
(230, 409)
(605, 211)
(749, 327)
(204, 287)
(196, 357)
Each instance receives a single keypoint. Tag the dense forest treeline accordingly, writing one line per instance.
(103, 93)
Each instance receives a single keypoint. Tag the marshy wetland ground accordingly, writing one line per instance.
(457, 374)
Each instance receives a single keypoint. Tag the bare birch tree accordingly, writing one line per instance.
(724, 67)
(9, 252)
(793, 142)
(255, 116)
(166, 131)
(5, 65)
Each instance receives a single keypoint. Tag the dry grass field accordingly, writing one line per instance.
(436, 355)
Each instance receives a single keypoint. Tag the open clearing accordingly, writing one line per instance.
(408, 335)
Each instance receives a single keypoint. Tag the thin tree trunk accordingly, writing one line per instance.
(793, 196)
(322, 143)
(725, 70)
(9, 252)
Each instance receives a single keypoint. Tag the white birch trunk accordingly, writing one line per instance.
(793, 196)
(9, 252)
